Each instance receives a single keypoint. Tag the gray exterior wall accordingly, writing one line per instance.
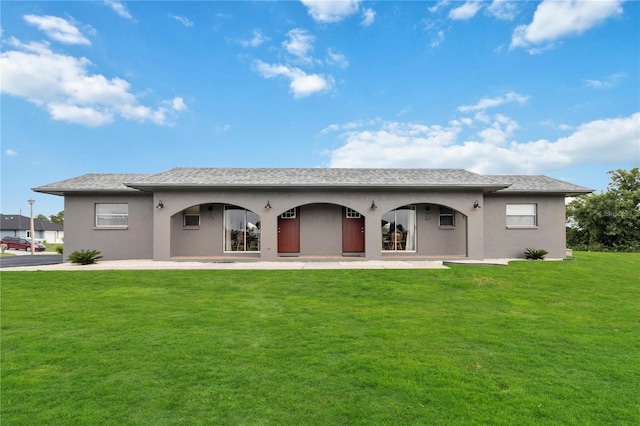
(503, 242)
(134, 242)
(320, 221)
(160, 234)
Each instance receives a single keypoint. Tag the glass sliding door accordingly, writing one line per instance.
(399, 229)
(241, 230)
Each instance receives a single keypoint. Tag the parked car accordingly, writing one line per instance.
(19, 243)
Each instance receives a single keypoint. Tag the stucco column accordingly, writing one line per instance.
(161, 233)
(269, 235)
(373, 235)
(475, 233)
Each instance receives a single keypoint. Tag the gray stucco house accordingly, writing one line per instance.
(275, 214)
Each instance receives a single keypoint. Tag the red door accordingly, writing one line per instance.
(352, 231)
(289, 232)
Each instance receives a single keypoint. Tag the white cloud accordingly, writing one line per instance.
(11, 153)
(224, 128)
(255, 41)
(335, 58)
(438, 39)
(183, 20)
(466, 11)
(603, 84)
(331, 11)
(440, 5)
(299, 44)
(119, 8)
(63, 86)
(396, 144)
(486, 103)
(301, 83)
(57, 29)
(502, 9)
(368, 17)
(554, 20)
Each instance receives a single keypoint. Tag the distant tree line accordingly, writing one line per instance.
(54, 218)
(609, 220)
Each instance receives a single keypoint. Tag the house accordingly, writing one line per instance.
(16, 225)
(235, 214)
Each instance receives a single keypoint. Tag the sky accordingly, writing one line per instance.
(494, 87)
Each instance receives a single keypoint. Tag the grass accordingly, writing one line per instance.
(52, 247)
(531, 343)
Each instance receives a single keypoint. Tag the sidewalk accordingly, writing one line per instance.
(145, 264)
(154, 265)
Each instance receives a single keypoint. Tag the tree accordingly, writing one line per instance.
(43, 218)
(57, 218)
(609, 220)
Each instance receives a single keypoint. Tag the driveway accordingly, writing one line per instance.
(27, 260)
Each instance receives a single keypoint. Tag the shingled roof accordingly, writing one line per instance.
(316, 177)
(14, 222)
(93, 182)
(541, 183)
(183, 177)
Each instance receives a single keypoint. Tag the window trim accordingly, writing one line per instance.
(289, 214)
(352, 214)
(186, 213)
(450, 213)
(522, 226)
(96, 225)
(245, 249)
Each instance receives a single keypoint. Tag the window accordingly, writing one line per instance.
(447, 217)
(241, 230)
(399, 229)
(191, 217)
(289, 214)
(352, 214)
(112, 215)
(522, 215)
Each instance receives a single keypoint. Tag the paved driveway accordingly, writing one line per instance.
(28, 260)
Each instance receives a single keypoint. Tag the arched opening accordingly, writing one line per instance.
(424, 229)
(214, 229)
(321, 229)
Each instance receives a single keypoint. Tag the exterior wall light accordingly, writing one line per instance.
(160, 205)
(373, 205)
(476, 205)
(268, 206)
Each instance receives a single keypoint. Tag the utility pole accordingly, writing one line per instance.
(33, 241)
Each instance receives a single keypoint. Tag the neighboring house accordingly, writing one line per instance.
(15, 225)
(275, 214)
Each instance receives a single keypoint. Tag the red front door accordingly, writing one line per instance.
(352, 231)
(289, 232)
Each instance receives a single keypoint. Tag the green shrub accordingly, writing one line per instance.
(59, 249)
(535, 254)
(85, 257)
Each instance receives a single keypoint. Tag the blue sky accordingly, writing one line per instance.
(495, 87)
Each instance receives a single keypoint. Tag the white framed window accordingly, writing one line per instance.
(289, 214)
(191, 217)
(241, 230)
(522, 215)
(447, 217)
(399, 229)
(112, 215)
(352, 214)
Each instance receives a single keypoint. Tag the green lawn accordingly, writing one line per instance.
(530, 343)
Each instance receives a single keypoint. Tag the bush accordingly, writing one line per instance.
(85, 257)
(59, 249)
(535, 254)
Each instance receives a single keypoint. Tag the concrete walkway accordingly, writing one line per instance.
(289, 265)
